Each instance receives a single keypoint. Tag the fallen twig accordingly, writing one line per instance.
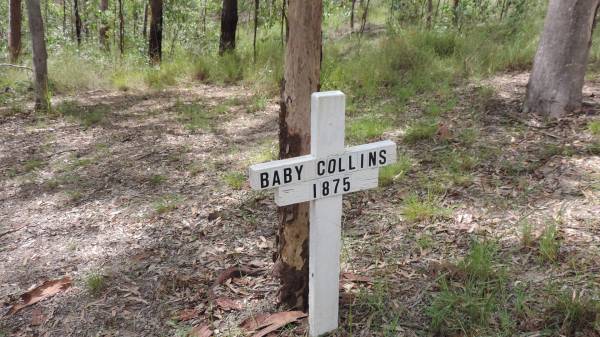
(15, 66)
(11, 231)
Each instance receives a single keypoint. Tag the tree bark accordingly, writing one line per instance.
(156, 26)
(38, 44)
(352, 15)
(229, 19)
(256, 7)
(455, 12)
(145, 26)
(429, 13)
(14, 34)
(301, 79)
(77, 22)
(103, 32)
(556, 81)
(121, 28)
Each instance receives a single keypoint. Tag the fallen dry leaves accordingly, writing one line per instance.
(187, 314)
(268, 323)
(228, 304)
(47, 289)
(200, 331)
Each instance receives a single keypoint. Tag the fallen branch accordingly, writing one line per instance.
(11, 231)
(15, 66)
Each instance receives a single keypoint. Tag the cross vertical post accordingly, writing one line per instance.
(327, 139)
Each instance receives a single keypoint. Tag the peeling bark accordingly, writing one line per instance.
(301, 79)
(556, 81)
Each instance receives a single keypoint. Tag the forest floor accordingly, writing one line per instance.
(140, 198)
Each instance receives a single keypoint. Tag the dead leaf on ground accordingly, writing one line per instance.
(234, 272)
(200, 331)
(37, 317)
(228, 304)
(187, 314)
(269, 323)
(47, 289)
(351, 277)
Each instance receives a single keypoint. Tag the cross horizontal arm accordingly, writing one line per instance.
(306, 168)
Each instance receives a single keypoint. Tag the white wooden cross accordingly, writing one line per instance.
(322, 178)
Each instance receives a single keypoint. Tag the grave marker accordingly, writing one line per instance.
(322, 178)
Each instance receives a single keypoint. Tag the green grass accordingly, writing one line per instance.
(95, 282)
(366, 128)
(257, 103)
(473, 297)
(87, 116)
(194, 116)
(394, 172)
(33, 164)
(572, 313)
(549, 244)
(594, 128)
(527, 238)
(157, 179)
(166, 204)
(266, 151)
(235, 180)
(421, 131)
(417, 209)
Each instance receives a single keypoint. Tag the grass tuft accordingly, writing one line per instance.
(366, 128)
(421, 131)
(418, 209)
(396, 171)
(95, 283)
(549, 244)
(235, 180)
(573, 313)
(594, 128)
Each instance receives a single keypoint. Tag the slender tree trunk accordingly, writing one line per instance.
(64, 3)
(103, 31)
(145, 26)
(301, 79)
(38, 46)
(455, 12)
(204, 16)
(283, 21)
(556, 81)
(77, 22)
(429, 13)
(229, 19)
(364, 18)
(121, 28)
(14, 33)
(156, 25)
(352, 15)
(256, 6)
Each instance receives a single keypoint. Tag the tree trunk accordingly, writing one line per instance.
(77, 21)
(229, 19)
(145, 26)
(256, 6)
(121, 28)
(455, 12)
(64, 23)
(14, 34)
(429, 13)
(556, 81)
(38, 46)
(103, 32)
(155, 41)
(352, 15)
(364, 18)
(301, 79)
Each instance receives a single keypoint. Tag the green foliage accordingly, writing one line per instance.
(394, 172)
(420, 131)
(472, 296)
(95, 282)
(366, 128)
(527, 235)
(88, 116)
(572, 313)
(166, 204)
(194, 116)
(418, 209)
(33, 164)
(235, 180)
(157, 179)
(549, 244)
(594, 128)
